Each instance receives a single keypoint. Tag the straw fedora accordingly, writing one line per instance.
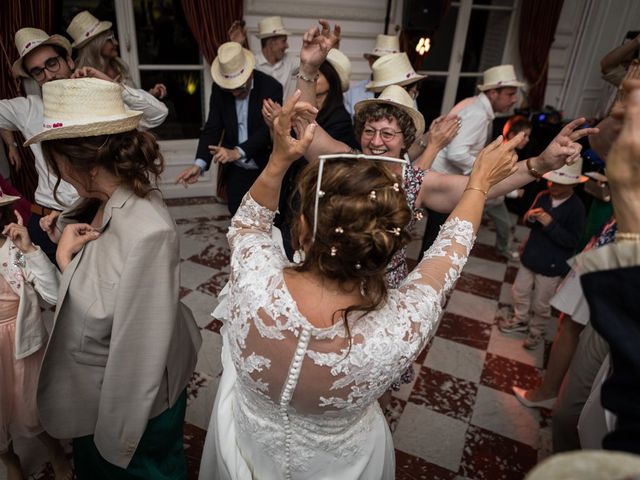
(83, 107)
(84, 27)
(392, 69)
(342, 65)
(6, 199)
(233, 66)
(271, 27)
(29, 38)
(385, 44)
(587, 465)
(398, 97)
(498, 77)
(568, 174)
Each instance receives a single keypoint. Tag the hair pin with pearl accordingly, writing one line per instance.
(396, 231)
(334, 251)
(372, 195)
(396, 187)
(320, 193)
(339, 229)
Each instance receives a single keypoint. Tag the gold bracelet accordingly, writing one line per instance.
(307, 79)
(478, 189)
(627, 237)
(534, 173)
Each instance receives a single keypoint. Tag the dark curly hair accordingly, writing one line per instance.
(378, 111)
(133, 157)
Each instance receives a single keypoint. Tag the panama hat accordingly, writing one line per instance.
(392, 69)
(498, 77)
(568, 174)
(83, 107)
(398, 97)
(6, 199)
(588, 465)
(29, 38)
(271, 27)
(385, 44)
(342, 65)
(233, 66)
(84, 27)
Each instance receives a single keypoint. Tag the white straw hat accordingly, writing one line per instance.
(587, 465)
(397, 96)
(342, 65)
(392, 69)
(29, 38)
(498, 77)
(83, 107)
(271, 27)
(6, 199)
(84, 27)
(568, 174)
(385, 44)
(233, 66)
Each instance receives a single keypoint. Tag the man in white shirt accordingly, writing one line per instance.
(498, 94)
(45, 58)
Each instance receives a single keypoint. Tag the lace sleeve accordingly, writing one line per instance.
(250, 219)
(443, 262)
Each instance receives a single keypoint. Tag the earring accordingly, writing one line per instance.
(299, 256)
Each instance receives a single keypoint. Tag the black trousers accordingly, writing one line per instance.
(238, 182)
(434, 221)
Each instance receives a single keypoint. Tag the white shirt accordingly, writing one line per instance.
(284, 71)
(476, 115)
(26, 115)
(355, 94)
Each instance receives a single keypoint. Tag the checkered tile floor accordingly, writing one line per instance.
(458, 419)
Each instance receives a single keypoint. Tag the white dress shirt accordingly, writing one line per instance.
(476, 115)
(26, 115)
(284, 71)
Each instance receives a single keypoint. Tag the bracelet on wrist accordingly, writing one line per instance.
(534, 173)
(627, 237)
(301, 76)
(477, 189)
(422, 143)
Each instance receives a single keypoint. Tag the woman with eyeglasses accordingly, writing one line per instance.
(308, 348)
(96, 46)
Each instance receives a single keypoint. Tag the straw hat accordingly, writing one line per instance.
(385, 44)
(271, 27)
(588, 465)
(398, 97)
(233, 66)
(568, 174)
(498, 77)
(83, 107)
(392, 69)
(29, 38)
(84, 27)
(6, 199)
(342, 64)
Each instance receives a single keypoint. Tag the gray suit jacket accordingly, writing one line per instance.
(122, 349)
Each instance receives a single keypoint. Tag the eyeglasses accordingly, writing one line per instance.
(347, 156)
(386, 133)
(51, 64)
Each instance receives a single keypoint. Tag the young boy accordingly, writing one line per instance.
(496, 209)
(557, 219)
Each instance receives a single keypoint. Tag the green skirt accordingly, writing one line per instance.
(159, 456)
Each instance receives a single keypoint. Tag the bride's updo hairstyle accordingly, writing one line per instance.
(361, 224)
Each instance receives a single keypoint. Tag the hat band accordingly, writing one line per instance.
(507, 81)
(29, 46)
(51, 124)
(384, 51)
(568, 175)
(88, 33)
(235, 74)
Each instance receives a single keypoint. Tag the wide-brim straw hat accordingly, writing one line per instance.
(233, 66)
(84, 27)
(587, 465)
(385, 44)
(499, 77)
(342, 65)
(271, 27)
(392, 69)
(27, 39)
(568, 174)
(398, 97)
(83, 107)
(6, 199)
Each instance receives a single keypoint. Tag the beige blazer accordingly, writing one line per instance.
(121, 350)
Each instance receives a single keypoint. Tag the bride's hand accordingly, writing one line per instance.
(495, 163)
(287, 149)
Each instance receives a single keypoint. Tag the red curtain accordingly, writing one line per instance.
(17, 14)
(210, 21)
(538, 22)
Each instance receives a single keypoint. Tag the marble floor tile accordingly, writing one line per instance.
(456, 359)
(509, 345)
(472, 306)
(192, 274)
(201, 305)
(468, 331)
(477, 285)
(486, 268)
(503, 373)
(409, 467)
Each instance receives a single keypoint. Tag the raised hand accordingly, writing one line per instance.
(563, 149)
(286, 148)
(316, 43)
(443, 130)
(159, 90)
(495, 163)
(19, 235)
(238, 32)
(48, 225)
(270, 110)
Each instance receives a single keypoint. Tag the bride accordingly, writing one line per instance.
(308, 348)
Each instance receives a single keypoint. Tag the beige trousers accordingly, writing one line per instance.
(532, 292)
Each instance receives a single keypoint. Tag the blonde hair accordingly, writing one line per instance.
(90, 55)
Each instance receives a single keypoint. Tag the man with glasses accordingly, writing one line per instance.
(46, 58)
(235, 135)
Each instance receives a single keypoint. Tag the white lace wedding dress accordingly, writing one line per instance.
(295, 401)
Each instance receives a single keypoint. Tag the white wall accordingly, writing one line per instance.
(586, 31)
